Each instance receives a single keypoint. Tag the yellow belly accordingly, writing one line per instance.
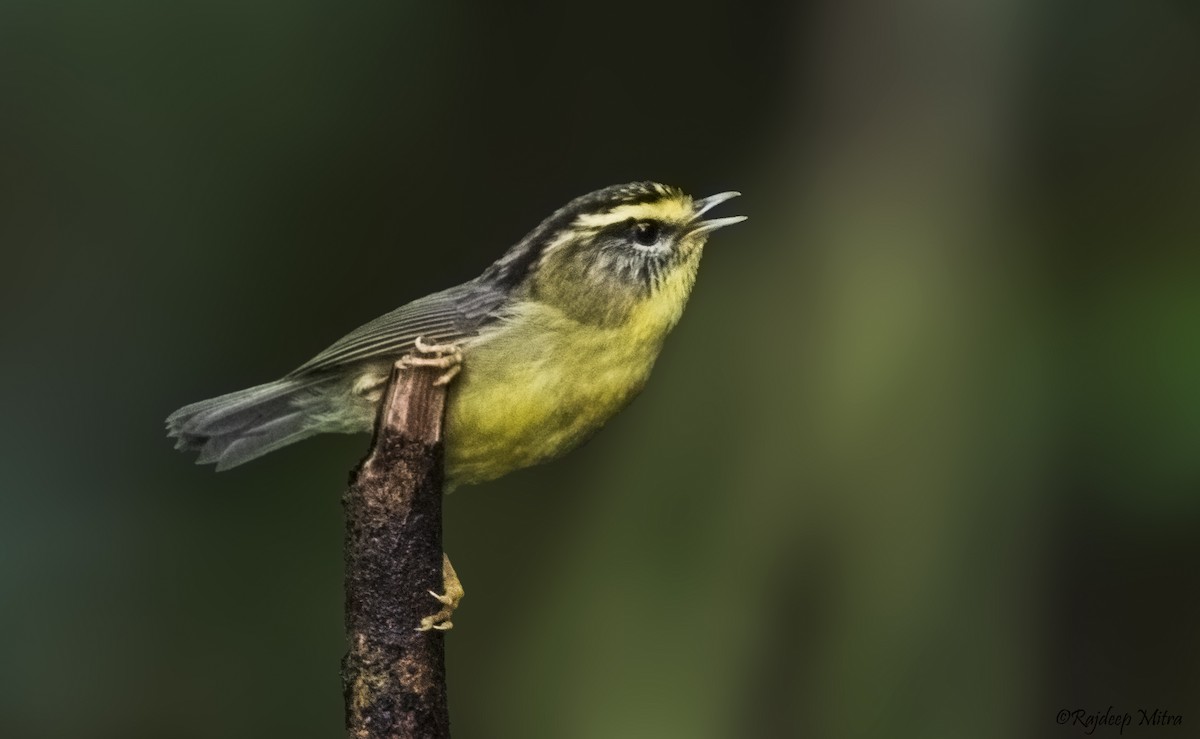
(536, 387)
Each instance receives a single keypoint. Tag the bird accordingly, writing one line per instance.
(555, 337)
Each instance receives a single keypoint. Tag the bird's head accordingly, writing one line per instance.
(614, 250)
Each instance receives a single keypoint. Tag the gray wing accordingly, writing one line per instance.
(445, 317)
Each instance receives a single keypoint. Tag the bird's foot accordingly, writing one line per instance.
(445, 356)
(440, 621)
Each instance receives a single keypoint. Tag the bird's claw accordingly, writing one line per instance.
(445, 600)
(440, 621)
(446, 356)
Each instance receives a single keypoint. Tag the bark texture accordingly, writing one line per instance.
(393, 676)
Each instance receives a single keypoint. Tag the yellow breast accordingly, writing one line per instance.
(541, 383)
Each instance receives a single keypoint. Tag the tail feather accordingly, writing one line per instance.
(232, 429)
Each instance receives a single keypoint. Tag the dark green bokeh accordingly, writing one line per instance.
(921, 459)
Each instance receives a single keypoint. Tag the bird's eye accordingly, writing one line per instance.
(646, 233)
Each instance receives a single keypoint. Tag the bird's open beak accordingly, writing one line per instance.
(703, 205)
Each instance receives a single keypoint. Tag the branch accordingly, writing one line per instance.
(393, 676)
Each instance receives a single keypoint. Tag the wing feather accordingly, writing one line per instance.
(448, 316)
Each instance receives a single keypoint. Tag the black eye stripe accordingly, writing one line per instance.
(626, 231)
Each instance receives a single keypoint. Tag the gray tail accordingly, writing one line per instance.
(238, 427)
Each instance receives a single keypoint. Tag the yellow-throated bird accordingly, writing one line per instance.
(556, 336)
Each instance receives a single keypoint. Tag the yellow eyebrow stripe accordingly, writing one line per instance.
(670, 210)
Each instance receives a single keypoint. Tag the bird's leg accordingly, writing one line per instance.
(449, 599)
(448, 357)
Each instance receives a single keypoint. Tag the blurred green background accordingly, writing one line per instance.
(920, 461)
